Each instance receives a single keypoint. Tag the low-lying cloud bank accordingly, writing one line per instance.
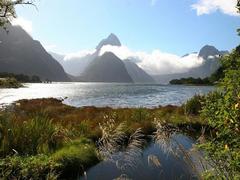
(79, 54)
(156, 62)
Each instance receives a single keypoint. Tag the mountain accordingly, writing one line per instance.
(112, 40)
(207, 51)
(210, 64)
(137, 74)
(20, 54)
(74, 66)
(106, 68)
(82, 66)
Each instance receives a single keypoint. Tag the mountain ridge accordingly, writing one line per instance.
(106, 68)
(112, 40)
(137, 74)
(20, 54)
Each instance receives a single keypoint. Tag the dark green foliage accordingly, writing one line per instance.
(21, 77)
(238, 7)
(191, 81)
(32, 167)
(214, 78)
(9, 83)
(194, 105)
(76, 157)
(222, 111)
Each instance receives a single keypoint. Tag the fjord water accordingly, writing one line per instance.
(166, 164)
(106, 94)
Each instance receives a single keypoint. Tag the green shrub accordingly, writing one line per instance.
(9, 83)
(194, 105)
(76, 157)
(222, 111)
(33, 167)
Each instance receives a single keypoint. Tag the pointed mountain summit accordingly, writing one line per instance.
(76, 66)
(211, 63)
(207, 51)
(106, 68)
(112, 39)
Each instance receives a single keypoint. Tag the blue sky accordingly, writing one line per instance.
(176, 26)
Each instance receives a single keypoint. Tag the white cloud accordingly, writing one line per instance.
(24, 23)
(209, 6)
(79, 54)
(156, 62)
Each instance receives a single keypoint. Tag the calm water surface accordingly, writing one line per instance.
(170, 166)
(106, 94)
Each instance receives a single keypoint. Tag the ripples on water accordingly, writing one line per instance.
(106, 94)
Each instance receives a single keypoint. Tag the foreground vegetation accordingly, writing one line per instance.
(221, 109)
(44, 138)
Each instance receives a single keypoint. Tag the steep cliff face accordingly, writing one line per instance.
(137, 74)
(20, 54)
(106, 68)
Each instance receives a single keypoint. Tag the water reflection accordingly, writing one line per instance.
(154, 163)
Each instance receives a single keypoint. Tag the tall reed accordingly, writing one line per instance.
(30, 137)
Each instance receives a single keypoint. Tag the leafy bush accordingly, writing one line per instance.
(9, 83)
(33, 167)
(194, 105)
(222, 111)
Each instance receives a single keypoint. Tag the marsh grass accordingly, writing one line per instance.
(35, 135)
(75, 157)
(193, 158)
(116, 146)
(66, 136)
